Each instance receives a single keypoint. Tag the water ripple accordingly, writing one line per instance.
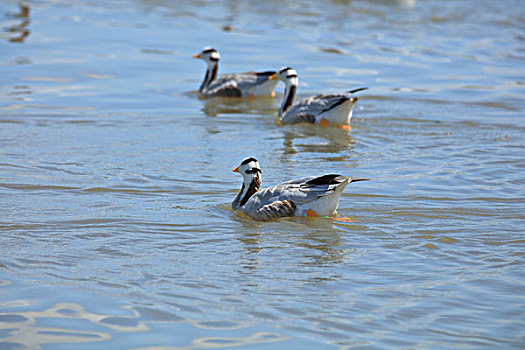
(116, 182)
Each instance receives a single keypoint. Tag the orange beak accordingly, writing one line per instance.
(197, 55)
(273, 76)
(236, 170)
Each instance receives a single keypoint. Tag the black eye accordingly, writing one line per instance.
(291, 76)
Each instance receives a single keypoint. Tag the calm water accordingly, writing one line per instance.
(115, 179)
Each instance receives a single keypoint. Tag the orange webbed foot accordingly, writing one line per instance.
(311, 214)
(325, 122)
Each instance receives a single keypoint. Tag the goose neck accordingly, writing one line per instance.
(289, 95)
(247, 190)
(211, 75)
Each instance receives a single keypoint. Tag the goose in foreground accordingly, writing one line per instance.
(308, 196)
(247, 84)
(321, 109)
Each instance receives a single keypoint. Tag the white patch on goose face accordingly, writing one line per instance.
(215, 55)
(290, 72)
(293, 81)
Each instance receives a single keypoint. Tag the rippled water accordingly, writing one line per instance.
(115, 181)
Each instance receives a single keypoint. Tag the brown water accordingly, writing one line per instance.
(115, 179)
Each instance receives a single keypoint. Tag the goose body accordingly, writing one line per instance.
(320, 109)
(247, 84)
(307, 196)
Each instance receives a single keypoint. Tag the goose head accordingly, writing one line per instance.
(208, 55)
(251, 173)
(249, 169)
(288, 76)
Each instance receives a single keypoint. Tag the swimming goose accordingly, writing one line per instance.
(321, 109)
(308, 196)
(247, 84)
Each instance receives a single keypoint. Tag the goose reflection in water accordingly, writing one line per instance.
(327, 139)
(20, 30)
(257, 106)
(320, 241)
(334, 142)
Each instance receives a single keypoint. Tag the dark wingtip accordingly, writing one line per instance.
(327, 179)
(357, 90)
(355, 180)
(268, 73)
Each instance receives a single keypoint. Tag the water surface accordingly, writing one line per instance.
(116, 179)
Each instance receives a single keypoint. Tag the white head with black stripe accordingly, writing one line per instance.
(208, 55)
(249, 169)
(288, 76)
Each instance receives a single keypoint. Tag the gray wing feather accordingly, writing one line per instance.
(248, 79)
(226, 85)
(298, 191)
(231, 85)
(306, 110)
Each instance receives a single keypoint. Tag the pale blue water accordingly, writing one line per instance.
(115, 179)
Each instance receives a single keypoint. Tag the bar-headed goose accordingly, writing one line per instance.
(321, 109)
(247, 84)
(308, 196)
